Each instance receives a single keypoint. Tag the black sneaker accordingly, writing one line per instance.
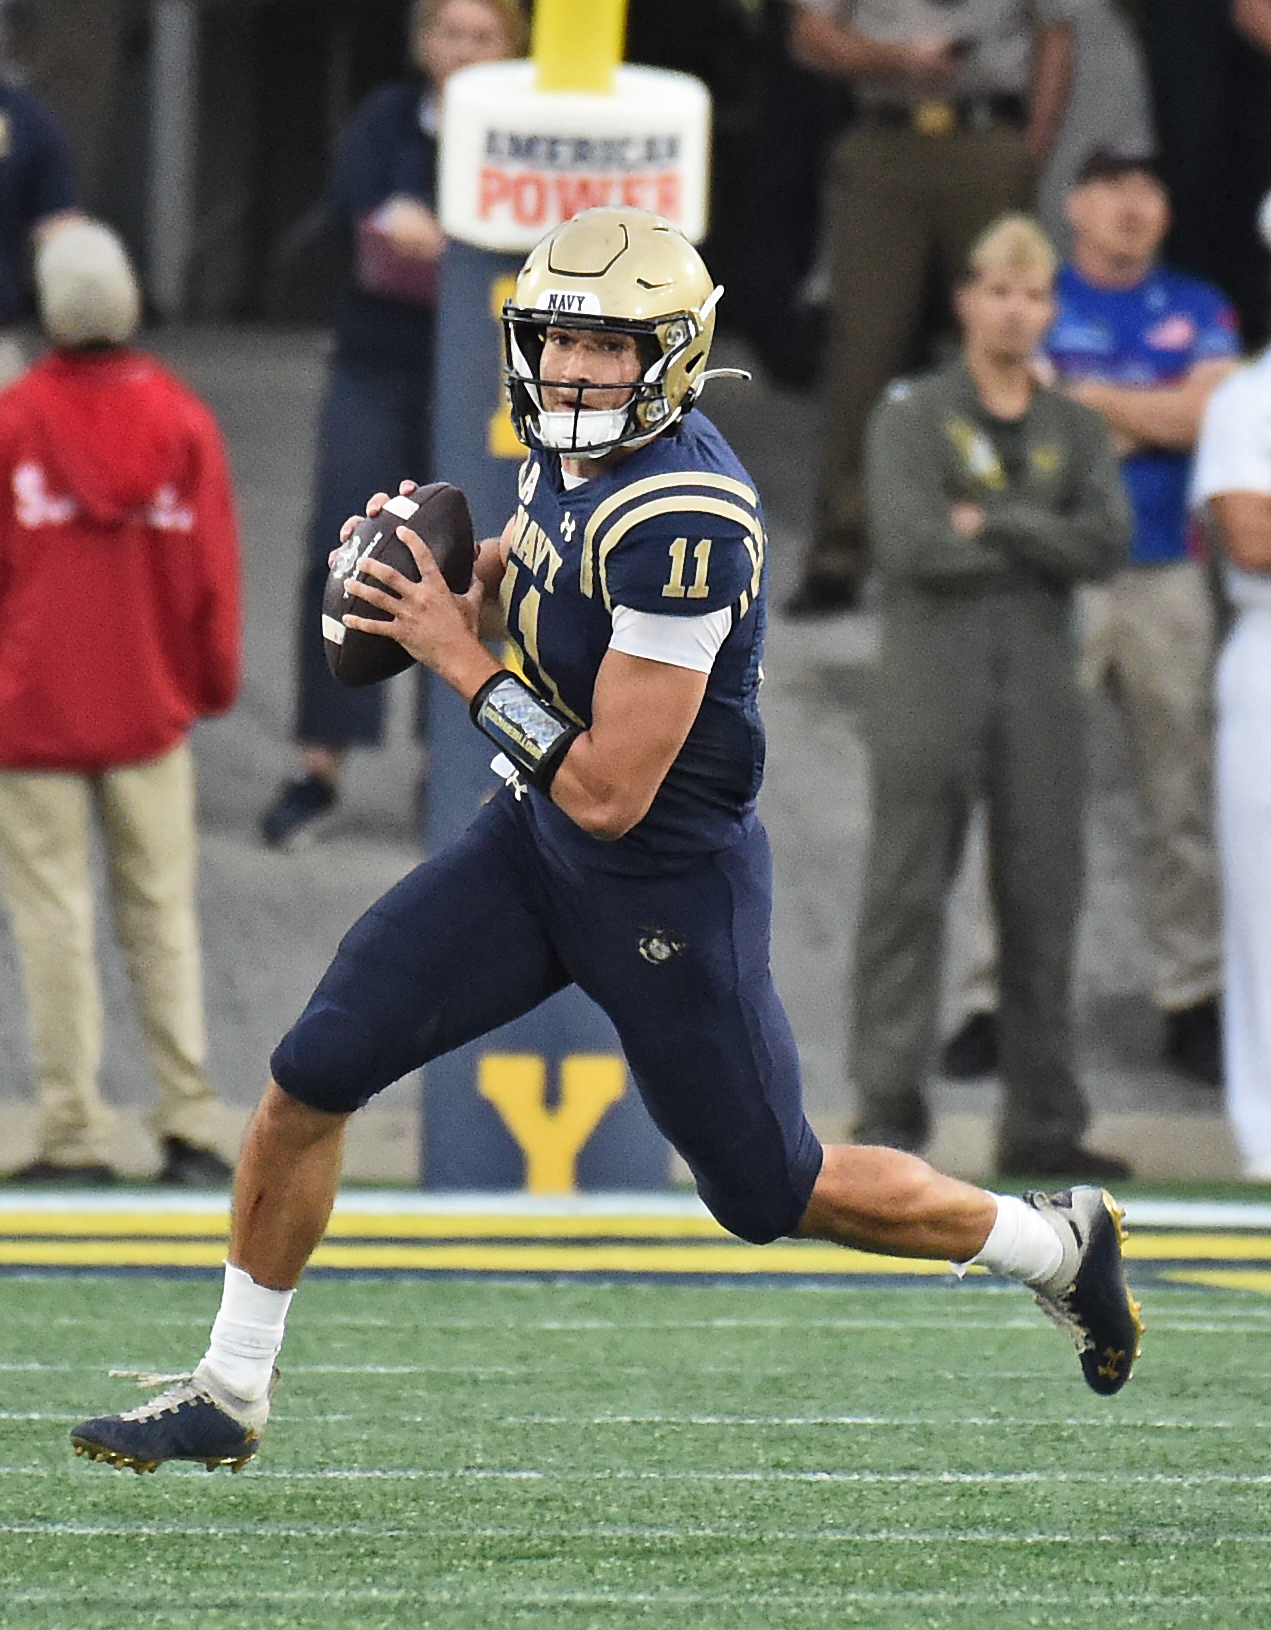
(297, 814)
(1071, 1161)
(972, 1051)
(44, 1174)
(1087, 1296)
(196, 1418)
(1193, 1041)
(189, 1166)
(822, 595)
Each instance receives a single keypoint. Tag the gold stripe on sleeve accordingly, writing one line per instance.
(681, 504)
(684, 479)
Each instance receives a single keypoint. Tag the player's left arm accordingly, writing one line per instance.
(1166, 416)
(642, 712)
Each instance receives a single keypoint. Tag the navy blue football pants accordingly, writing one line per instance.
(500, 920)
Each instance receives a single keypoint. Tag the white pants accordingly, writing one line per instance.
(1244, 847)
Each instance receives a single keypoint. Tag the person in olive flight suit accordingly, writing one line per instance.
(989, 498)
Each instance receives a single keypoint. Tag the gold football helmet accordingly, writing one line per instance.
(624, 271)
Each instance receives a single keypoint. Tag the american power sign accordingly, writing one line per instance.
(516, 160)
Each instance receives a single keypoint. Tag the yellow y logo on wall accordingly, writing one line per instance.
(551, 1139)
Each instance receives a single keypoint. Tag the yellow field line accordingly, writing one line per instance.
(478, 1258)
(1182, 1247)
(368, 1226)
(110, 1253)
(1255, 1279)
(361, 1225)
(724, 1259)
(484, 1243)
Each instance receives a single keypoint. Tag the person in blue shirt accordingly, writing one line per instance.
(1144, 346)
(623, 854)
(377, 415)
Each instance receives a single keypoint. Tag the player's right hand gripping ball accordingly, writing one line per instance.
(439, 515)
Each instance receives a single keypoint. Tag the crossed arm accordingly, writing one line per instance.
(923, 539)
(825, 45)
(1244, 521)
(820, 42)
(1157, 416)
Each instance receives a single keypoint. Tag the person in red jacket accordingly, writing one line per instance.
(119, 626)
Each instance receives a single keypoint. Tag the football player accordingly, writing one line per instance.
(624, 853)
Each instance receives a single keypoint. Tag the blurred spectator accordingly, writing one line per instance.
(376, 422)
(726, 44)
(797, 117)
(37, 195)
(957, 108)
(989, 498)
(1210, 68)
(1233, 477)
(1144, 346)
(119, 626)
(1109, 106)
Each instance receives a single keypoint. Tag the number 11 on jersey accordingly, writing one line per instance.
(696, 590)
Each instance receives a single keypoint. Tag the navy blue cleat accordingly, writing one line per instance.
(1088, 1297)
(195, 1418)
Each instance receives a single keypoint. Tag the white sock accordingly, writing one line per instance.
(247, 1334)
(1021, 1244)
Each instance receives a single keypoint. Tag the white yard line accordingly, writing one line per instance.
(496, 1596)
(766, 1422)
(478, 1474)
(1038, 1422)
(733, 1534)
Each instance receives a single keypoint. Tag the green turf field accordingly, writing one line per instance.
(474, 1455)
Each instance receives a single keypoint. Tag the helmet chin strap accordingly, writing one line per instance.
(581, 430)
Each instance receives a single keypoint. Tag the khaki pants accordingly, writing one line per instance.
(901, 206)
(146, 814)
(1149, 636)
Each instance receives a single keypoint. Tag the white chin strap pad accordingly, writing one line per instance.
(582, 431)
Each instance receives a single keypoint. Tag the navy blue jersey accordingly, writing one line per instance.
(675, 529)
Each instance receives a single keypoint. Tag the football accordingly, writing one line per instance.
(439, 514)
